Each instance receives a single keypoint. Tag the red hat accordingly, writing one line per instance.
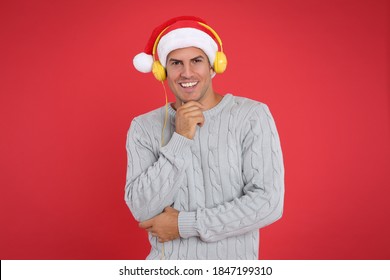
(176, 33)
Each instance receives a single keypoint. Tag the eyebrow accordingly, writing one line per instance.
(199, 56)
(192, 59)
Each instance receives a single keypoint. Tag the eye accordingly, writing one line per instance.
(175, 62)
(197, 60)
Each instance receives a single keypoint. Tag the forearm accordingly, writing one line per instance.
(253, 210)
(152, 184)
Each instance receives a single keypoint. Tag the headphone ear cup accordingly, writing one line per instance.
(159, 71)
(220, 63)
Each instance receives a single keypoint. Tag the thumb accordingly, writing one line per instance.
(169, 209)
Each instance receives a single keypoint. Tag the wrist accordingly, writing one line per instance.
(177, 144)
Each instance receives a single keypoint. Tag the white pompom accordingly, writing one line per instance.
(143, 62)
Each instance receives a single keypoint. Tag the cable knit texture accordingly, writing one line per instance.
(227, 182)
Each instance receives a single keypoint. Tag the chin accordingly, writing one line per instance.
(191, 97)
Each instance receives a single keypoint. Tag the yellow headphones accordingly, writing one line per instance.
(220, 61)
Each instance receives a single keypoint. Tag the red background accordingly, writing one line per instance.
(68, 92)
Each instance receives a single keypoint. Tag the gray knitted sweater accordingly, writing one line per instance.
(227, 182)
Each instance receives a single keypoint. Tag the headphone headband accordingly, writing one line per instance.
(180, 32)
(212, 31)
(156, 42)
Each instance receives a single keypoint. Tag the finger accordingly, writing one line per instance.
(146, 224)
(169, 209)
(199, 120)
(195, 119)
(189, 109)
(161, 240)
(149, 229)
(192, 103)
(193, 114)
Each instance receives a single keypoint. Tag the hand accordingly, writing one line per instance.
(188, 116)
(164, 226)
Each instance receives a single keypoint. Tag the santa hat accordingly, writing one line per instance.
(176, 33)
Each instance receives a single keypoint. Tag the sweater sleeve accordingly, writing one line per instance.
(152, 182)
(263, 191)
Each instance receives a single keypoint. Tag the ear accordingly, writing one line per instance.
(212, 72)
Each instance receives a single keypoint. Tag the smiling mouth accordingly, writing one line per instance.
(188, 85)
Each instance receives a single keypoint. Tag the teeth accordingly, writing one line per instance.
(188, 84)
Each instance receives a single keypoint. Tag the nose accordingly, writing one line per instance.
(187, 71)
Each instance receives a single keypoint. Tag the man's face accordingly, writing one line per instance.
(189, 74)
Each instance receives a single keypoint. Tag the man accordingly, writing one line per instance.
(205, 172)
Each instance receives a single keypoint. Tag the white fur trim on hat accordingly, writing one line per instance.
(143, 62)
(184, 38)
